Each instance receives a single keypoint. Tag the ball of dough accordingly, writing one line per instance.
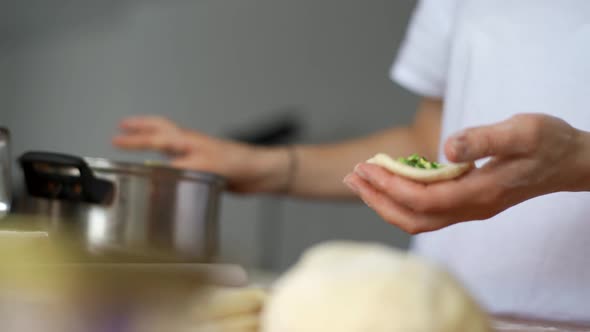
(358, 287)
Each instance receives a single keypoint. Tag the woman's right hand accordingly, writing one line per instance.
(248, 168)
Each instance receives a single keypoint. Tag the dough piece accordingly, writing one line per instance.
(216, 303)
(446, 172)
(357, 287)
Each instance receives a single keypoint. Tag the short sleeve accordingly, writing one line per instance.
(422, 62)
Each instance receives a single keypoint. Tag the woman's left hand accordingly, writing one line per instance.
(531, 155)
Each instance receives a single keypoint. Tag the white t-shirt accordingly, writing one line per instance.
(490, 59)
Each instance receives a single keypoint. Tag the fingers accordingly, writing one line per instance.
(390, 211)
(165, 143)
(189, 163)
(132, 142)
(150, 133)
(513, 136)
(390, 184)
(417, 216)
(145, 124)
(431, 198)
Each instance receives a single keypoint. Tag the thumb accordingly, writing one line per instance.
(471, 144)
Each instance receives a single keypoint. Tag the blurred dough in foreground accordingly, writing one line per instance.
(356, 287)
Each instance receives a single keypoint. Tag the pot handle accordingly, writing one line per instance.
(52, 175)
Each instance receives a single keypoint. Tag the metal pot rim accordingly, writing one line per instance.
(147, 169)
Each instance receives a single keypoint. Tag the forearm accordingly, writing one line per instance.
(581, 163)
(320, 168)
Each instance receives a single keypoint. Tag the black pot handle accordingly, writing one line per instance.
(49, 175)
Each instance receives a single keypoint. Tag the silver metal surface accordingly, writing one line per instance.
(5, 174)
(156, 211)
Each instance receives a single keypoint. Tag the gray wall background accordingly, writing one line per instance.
(69, 70)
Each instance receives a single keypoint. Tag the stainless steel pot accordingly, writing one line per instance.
(5, 177)
(134, 210)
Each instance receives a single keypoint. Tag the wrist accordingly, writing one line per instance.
(276, 169)
(581, 163)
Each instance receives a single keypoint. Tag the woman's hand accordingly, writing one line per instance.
(247, 168)
(531, 155)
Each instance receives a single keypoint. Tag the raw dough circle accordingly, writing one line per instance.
(357, 287)
(446, 172)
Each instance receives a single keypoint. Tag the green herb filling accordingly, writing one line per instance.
(418, 161)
